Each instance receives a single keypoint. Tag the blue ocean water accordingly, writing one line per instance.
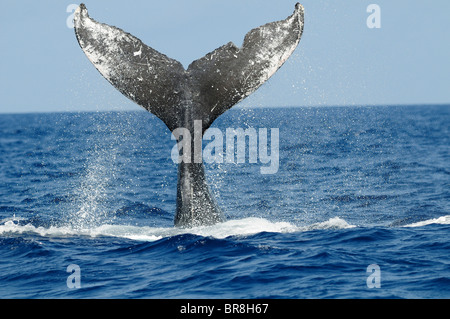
(356, 186)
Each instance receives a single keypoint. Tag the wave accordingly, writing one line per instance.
(239, 227)
(443, 220)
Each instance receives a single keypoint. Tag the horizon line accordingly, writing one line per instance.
(140, 109)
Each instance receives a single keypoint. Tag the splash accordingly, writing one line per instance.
(93, 191)
(240, 227)
(443, 220)
(91, 194)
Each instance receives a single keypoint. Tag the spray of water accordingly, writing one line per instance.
(92, 192)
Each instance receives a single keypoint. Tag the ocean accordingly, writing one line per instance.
(358, 208)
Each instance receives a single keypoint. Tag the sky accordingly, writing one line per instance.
(339, 61)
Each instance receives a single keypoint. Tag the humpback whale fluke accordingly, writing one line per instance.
(209, 87)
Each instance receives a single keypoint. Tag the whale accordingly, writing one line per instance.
(179, 97)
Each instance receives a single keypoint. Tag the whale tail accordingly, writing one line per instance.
(206, 89)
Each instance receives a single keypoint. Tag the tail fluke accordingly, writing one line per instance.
(179, 97)
(213, 83)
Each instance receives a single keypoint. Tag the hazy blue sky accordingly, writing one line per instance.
(339, 61)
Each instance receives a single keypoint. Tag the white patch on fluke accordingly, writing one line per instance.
(138, 52)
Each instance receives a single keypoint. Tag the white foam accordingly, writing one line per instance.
(239, 227)
(332, 223)
(243, 227)
(443, 220)
(12, 227)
